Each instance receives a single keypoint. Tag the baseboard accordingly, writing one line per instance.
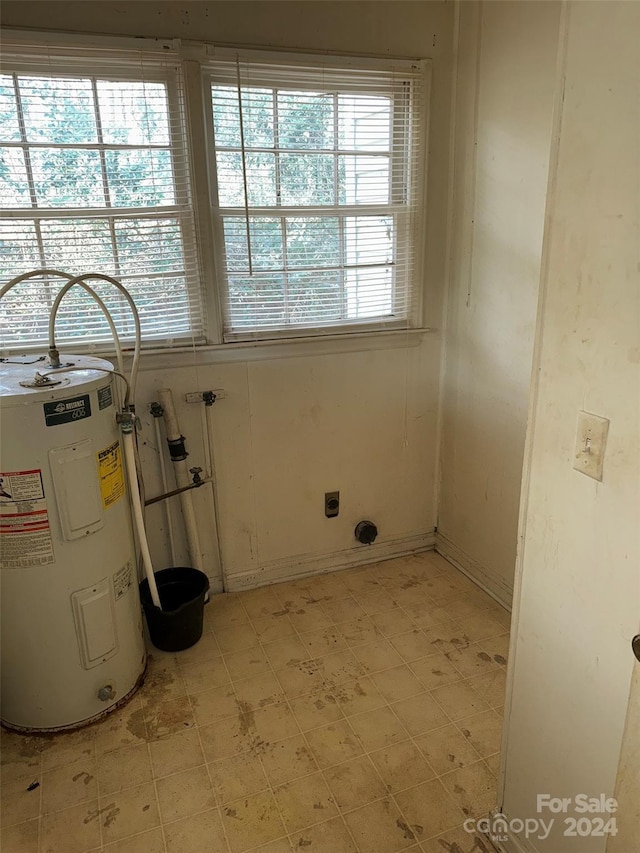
(215, 585)
(304, 566)
(474, 570)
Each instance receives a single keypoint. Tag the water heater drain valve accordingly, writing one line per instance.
(106, 693)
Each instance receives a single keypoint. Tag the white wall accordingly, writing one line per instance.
(290, 429)
(504, 94)
(579, 596)
(627, 792)
(295, 426)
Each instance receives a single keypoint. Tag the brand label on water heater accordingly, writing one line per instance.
(67, 411)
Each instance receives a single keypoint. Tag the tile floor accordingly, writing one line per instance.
(357, 711)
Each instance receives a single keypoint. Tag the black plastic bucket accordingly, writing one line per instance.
(182, 594)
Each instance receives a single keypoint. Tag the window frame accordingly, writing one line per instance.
(411, 232)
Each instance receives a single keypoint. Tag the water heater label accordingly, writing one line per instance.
(105, 397)
(111, 474)
(67, 411)
(25, 536)
(123, 580)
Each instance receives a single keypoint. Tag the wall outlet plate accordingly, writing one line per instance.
(591, 440)
(331, 504)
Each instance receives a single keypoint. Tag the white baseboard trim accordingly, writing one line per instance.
(215, 586)
(474, 570)
(304, 566)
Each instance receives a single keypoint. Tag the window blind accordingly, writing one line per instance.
(317, 185)
(94, 177)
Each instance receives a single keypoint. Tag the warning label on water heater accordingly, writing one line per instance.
(111, 474)
(25, 536)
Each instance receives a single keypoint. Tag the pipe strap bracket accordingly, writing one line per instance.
(177, 449)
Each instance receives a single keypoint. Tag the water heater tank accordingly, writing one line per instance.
(71, 630)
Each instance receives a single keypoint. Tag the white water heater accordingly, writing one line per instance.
(72, 643)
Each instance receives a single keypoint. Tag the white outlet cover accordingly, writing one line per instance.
(591, 441)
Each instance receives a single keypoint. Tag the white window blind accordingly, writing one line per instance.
(317, 172)
(94, 177)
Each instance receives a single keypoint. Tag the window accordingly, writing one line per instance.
(317, 192)
(93, 177)
(310, 224)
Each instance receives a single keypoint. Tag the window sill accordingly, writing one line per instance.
(184, 356)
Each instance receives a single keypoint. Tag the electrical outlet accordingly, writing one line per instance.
(591, 440)
(331, 504)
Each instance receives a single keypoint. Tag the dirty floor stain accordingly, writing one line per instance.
(193, 717)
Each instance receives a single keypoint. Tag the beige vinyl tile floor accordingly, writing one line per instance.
(355, 711)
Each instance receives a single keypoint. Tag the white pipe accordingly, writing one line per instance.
(204, 425)
(38, 273)
(130, 463)
(181, 469)
(213, 476)
(165, 489)
(80, 279)
(109, 318)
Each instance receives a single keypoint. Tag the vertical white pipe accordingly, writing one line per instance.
(165, 489)
(181, 469)
(204, 423)
(213, 475)
(130, 464)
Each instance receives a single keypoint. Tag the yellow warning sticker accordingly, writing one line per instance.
(111, 474)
